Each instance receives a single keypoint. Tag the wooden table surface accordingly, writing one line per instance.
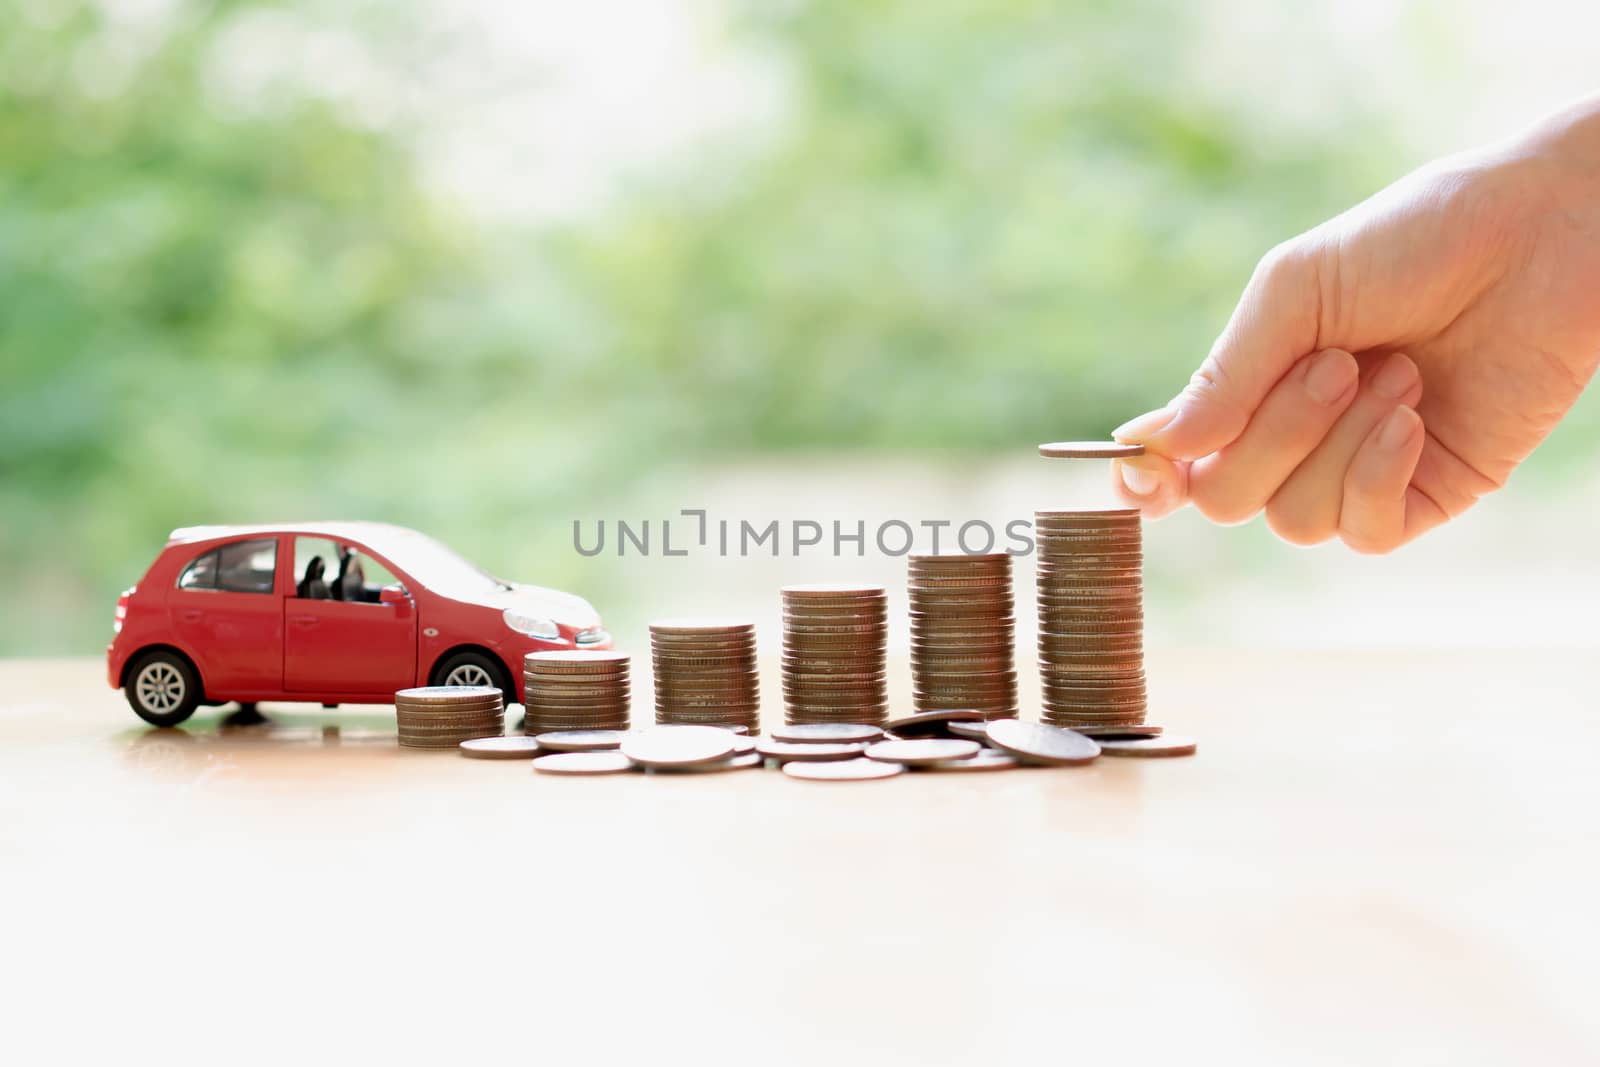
(1379, 858)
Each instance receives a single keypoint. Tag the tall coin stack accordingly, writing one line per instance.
(1091, 616)
(834, 642)
(575, 691)
(962, 630)
(443, 716)
(705, 672)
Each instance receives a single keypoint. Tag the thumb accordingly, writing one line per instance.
(1273, 326)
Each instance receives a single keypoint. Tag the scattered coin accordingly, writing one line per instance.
(1090, 450)
(922, 750)
(583, 763)
(1151, 747)
(932, 723)
(809, 751)
(815, 732)
(581, 740)
(850, 770)
(743, 762)
(986, 760)
(1118, 733)
(678, 746)
(976, 731)
(1034, 742)
(500, 747)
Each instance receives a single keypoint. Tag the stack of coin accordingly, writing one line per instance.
(575, 691)
(705, 672)
(443, 716)
(834, 640)
(962, 629)
(1091, 616)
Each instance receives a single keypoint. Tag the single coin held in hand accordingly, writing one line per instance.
(1090, 450)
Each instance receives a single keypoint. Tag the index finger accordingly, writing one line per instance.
(1273, 326)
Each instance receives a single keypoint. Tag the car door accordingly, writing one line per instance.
(227, 611)
(346, 647)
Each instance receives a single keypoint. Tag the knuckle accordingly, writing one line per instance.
(1283, 267)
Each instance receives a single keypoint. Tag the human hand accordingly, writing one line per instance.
(1389, 367)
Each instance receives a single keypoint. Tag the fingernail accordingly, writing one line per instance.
(1149, 423)
(1395, 378)
(1397, 429)
(1138, 481)
(1330, 376)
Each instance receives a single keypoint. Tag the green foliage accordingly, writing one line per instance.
(976, 224)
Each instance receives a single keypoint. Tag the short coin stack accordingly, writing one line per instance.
(834, 642)
(575, 691)
(705, 672)
(962, 633)
(1091, 616)
(443, 716)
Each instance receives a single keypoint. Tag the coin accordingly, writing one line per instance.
(702, 626)
(850, 770)
(1090, 450)
(1150, 747)
(676, 746)
(583, 763)
(1126, 732)
(487, 729)
(500, 747)
(438, 707)
(446, 694)
(931, 723)
(822, 732)
(986, 760)
(738, 762)
(922, 750)
(974, 731)
(784, 751)
(840, 590)
(581, 740)
(555, 660)
(1042, 743)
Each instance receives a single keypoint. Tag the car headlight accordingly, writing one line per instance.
(532, 625)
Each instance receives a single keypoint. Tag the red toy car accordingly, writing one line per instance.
(329, 612)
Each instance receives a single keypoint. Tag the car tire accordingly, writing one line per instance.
(163, 688)
(474, 668)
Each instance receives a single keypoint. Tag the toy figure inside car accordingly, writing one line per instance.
(327, 612)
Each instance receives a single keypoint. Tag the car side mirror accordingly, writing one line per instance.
(394, 594)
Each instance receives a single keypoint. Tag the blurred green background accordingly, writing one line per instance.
(242, 277)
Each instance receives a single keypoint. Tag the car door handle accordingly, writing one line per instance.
(304, 620)
(192, 615)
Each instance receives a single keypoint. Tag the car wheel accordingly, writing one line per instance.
(163, 689)
(474, 668)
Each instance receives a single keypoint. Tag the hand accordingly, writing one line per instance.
(1389, 367)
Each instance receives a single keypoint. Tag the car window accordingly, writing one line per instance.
(316, 565)
(247, 566)
(201, 574)
(325, 569)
